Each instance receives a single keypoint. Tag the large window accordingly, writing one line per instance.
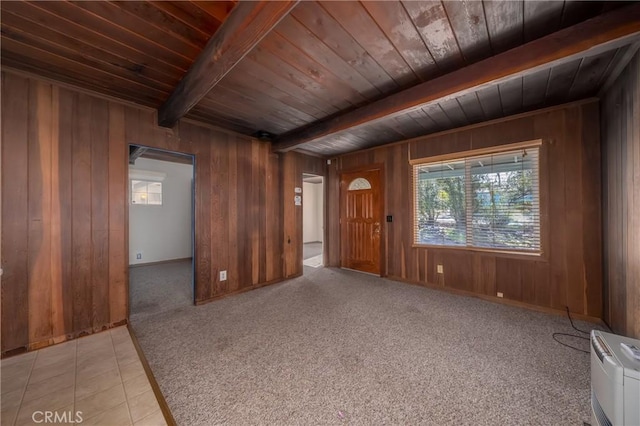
(488, 201)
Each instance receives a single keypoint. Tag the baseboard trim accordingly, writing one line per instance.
(543, 309)
(245, 289)
(160, 262)
(164, 407)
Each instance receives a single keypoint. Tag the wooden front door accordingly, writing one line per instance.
(361, 220)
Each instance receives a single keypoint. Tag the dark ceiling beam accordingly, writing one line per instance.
(587, 38)
(247, 24)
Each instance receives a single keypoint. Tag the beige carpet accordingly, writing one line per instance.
(158, 288)
(337, 347)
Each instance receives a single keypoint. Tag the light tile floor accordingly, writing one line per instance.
(99, 378)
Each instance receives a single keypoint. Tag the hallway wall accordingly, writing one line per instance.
(312, 212)
(162, 232)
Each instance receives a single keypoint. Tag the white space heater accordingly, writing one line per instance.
(615, 381)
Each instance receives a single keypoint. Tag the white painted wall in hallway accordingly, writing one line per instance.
(312, 212)
(162, 232)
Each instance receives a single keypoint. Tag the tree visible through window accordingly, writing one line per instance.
(146, 192)
(489, 201)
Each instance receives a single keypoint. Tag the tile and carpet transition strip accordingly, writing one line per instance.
(164, 407)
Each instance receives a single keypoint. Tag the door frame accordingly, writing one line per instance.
(383, 224)
(324, 218)
(193, 228)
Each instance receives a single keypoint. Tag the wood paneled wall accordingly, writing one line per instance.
(570, 271)
(63, 162)
(621, 201)
(64, 209)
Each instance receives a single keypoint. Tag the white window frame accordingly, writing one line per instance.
(147, 182)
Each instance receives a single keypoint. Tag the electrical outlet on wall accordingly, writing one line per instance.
(500, 294)
(138, 256)
(223, 275)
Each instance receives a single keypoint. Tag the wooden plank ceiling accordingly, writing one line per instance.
(321, 60)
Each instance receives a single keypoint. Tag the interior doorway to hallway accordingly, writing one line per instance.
(312, 220)
(161, 231)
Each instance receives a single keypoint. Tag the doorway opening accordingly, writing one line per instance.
(161, 231)
(312, 221)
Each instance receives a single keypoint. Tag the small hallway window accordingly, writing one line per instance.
(146, 192)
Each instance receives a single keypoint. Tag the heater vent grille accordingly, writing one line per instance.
(603, 420)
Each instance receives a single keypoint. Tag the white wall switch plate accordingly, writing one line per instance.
(440, 269)
(223, 275)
